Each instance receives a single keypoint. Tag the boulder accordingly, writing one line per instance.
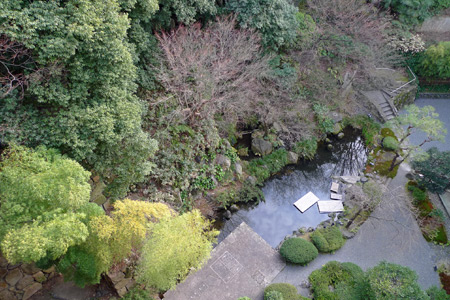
(347, 234)
(3, 262)
(252, 180)
(330, 147)
(234, 208)
(364, 179)
(350, 179)
(337, 128)
(277, 127)
(31, 290)
(223, 161)
(238, 169)
(30, 269)
(243, 152)
(3, 286)
(39, 277)
(3, 272)
(335, 116)
(261, 147)
(13, 276)
(7, 295)
(340, 135)
(121, 284)
(227, 215)
(292, 157)
(115, 277)
(27, 280)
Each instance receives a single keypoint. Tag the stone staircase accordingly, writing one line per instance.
(383, 101)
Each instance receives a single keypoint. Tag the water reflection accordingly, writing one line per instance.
(277, 217)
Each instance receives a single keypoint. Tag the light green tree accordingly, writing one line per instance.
(174, 247)
(416, 118)
(44, 203)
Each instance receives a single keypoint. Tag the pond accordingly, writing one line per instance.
(277, 217)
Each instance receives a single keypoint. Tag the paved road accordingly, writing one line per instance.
(390, 234)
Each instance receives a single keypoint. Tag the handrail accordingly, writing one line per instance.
(402, 86)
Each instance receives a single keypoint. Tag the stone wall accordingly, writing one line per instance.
(21, 281)
(406, 96)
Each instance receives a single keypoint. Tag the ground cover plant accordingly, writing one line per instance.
(327, 239)
(430, 219)
(288, 292)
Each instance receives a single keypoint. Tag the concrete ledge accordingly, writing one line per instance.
(241, 265)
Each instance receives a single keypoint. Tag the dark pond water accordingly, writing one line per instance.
(277, 217)
(442, 107)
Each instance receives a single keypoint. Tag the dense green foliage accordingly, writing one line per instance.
(263, 168)
(287, 291)
(163, 263)
(369, 127)
(274, 19)
(410, 12)
(244, 298)
(273, 295)
(44, 204)
(436, 293)
(80, 97)
(436, 61)
(328, 239)
(298, 251)
(342, 277)
(391, 281)
(435, 170)
(390, 143)
(137, 294)
(385, 281)
(306, 148)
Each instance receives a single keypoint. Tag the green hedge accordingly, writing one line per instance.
(298, 251)
(273, 295)
(328, 239)
(288, 291)
(342, 277)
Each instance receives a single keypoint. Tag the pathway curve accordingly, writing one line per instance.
(391, 234)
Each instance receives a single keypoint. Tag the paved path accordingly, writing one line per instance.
(390, 234)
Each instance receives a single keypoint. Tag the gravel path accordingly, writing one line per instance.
(391, 234)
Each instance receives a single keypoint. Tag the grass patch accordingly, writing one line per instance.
(264, 167)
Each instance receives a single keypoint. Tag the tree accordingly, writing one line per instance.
(434, 170)
(81, 101)
(274, 19)
(44, 203)
(410, 12)
(423, 119)
(111, 239)
(175, 246)
(388, 281)
(214, 70)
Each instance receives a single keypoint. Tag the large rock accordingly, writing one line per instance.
(31, 290)
(3, 272)
(252, 180)
(3, 285)
(13, 276)
(3, 262)
(30, 268)
(238, 169)
(27, 280)
(223, 161)
(39, 277)
(261, 147)
(7, 295)
(292, 157)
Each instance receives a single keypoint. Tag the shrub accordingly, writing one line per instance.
(328, 239)
(410, 12)
(244, 298)
(273, 295)
(435, 170)
(263, 168)
(306, 148)
(436, 61)
(343, 277)
(390, 143)
(288, 291)
(436, 293)
(369, 127)
(390, 281)
(387, 132)
(298, 251)
(419, 195)
(274, 19)
(137, 294)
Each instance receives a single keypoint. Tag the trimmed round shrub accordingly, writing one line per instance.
(287, 291)
(328, 239)
(273, 295)
(390, 143)
(342, 277)
(387, 132)
(298, 251)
